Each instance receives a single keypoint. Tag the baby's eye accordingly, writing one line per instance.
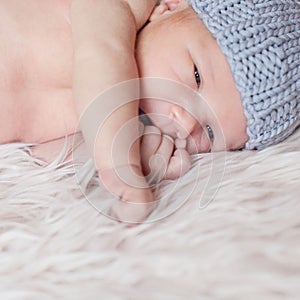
(210, 133)
(197, 76)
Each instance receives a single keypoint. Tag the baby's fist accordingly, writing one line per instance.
(161, 158)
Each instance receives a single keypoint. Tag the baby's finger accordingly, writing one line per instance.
(179, 164)
(160, 160)
(151, 141)
(166, 148)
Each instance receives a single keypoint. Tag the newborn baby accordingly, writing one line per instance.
(58, 55)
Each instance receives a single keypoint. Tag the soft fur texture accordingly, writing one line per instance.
(243, 244)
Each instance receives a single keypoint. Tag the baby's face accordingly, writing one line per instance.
(176, 45)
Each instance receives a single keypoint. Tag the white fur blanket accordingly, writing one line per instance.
(243, 244)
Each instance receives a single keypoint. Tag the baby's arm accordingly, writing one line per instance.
(162, 157)
(104, 33)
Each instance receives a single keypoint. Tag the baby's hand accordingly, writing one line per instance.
(134, 199)
(161, 157)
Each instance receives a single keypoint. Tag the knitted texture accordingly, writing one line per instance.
(261, 40)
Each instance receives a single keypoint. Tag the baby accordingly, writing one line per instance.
(231, 68)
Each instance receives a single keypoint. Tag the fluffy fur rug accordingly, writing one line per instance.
(229, 229)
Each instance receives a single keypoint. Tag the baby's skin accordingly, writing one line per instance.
(53, 64)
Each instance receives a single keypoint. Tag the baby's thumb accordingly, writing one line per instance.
(179, 164)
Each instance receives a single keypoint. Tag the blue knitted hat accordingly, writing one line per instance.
(261, 40)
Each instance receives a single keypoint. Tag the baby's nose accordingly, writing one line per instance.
(184, 122)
